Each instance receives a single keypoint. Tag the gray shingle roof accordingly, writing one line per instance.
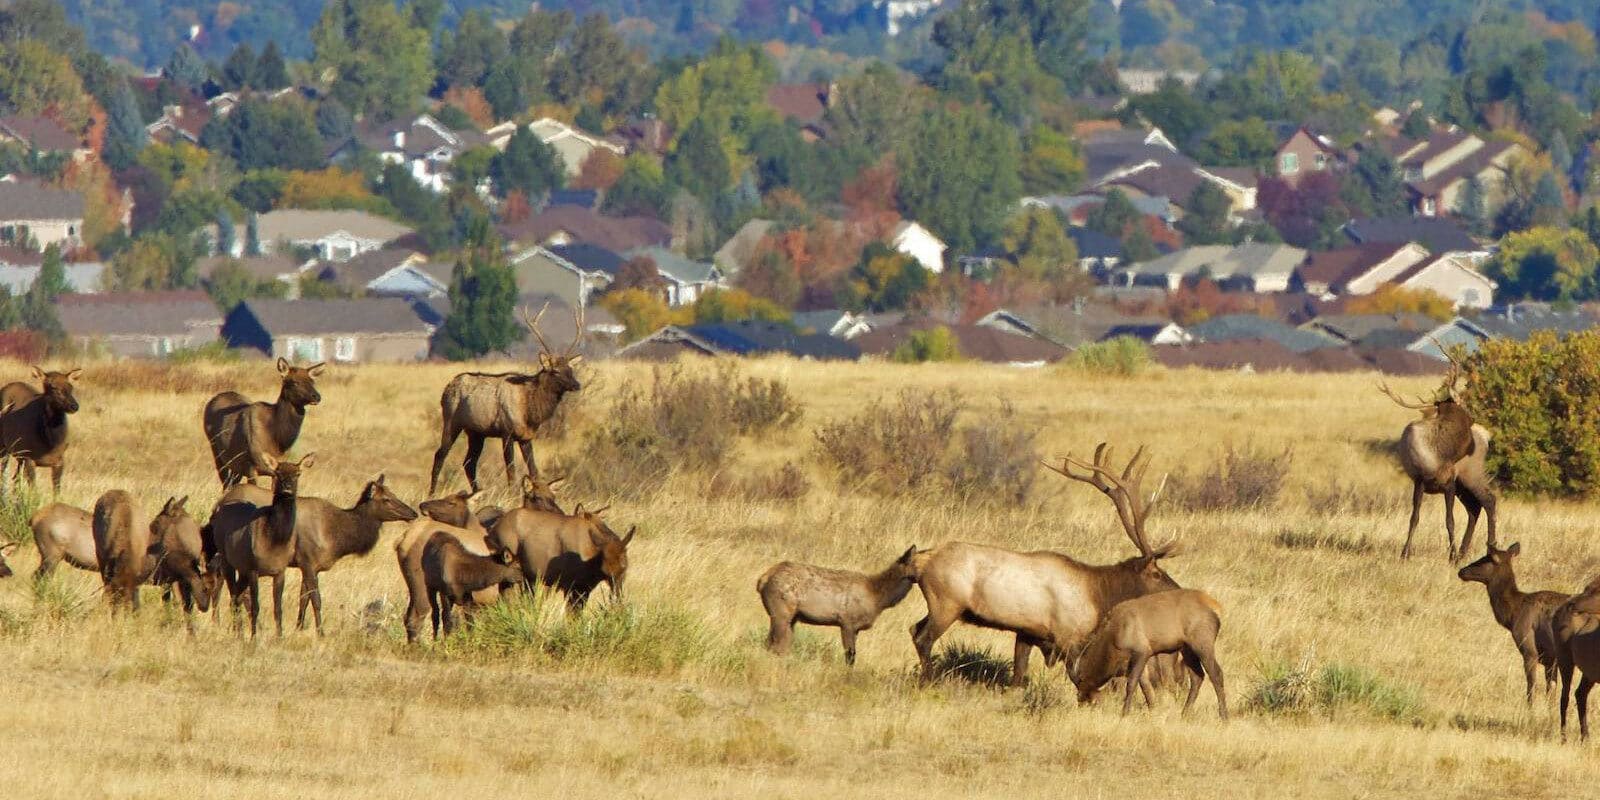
(136, 313)
(1234, 327)
(685, 269)
(22, 200)
(366, 316)
(300, 225)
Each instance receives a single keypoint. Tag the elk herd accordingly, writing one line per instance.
(1101, 622)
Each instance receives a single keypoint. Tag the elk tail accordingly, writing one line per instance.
(1211, 603)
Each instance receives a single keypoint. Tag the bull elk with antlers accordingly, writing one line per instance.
(1444, 453)
(1048, 599)
(508, 406)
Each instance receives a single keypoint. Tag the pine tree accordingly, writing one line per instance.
(226, 235)
(1561, 155)
(483, 295)
(186, 68)
(126, 135)
(271, 72)
(252, 236)
(239, 71)
(527, 165)
(38, 307)
(1474, 209)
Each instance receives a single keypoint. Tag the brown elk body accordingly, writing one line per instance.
(247, 437)
(849, 601)
(1048, 599)
(573, 553)
(63, 533)
(508, 406)
(325, 533)
(408, 550)
(1529, 616)
(179, 557)
(1182, 621)
(121, 548)
(1577, 633)
(452, 575)
(252, 534)
(33, 425)
(1444, 453)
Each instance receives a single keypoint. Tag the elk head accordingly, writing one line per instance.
(558, 367)
(176, 536)
(1133, 508)
(286, 473)
(6, 550)
(300, 384)
(1445, 402)
(1495, 566)
(384, 504)
(57, 386)
(540, 495)
(452, 509)
(613, 555)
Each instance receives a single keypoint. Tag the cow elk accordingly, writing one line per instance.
(849, 601)
(33, 425)
(452, 576)
(1048, 599)
(1577, 633)
(1181, 621)
(121, 548)
(325, 533)
(179, 557)
(409, 548)
(509, 406)
(1529, 616)
(252, 534)
(1444, 453)
(573, 553)
(247, 438)
(63, 533)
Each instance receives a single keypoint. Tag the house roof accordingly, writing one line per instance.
(741, 246)
(302, 225)
(979, 342)
(582, 198)
(1261, 355)
(136, 313)
(589, 226)
(423, 135)
(369, 316)
(264, 267)
(1355, 328)
(1438, 143)
(803, 102)
(1522, 320)
(1335, 267)
(754, 338)
(588, 257)
(1480, 161)
(43, 133)
(26, 200)
(357, 273)
(680, 267)
(1437, 234)
(822, 321)
(1094, 244)
(1249, 327)
(1224, 261)
(1069, 326)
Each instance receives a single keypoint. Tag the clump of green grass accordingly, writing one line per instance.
(972, 665)
(636, 638)
(17, 506)
(57, 601)
(1123, 356)
(1041, 698)
(1334, 690)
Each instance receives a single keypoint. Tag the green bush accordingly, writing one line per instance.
(1541, 401)
(1333, 690)
(934, 344)
(648, 639)
(1123, 356)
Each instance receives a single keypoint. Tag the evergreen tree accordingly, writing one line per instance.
(527, 165)
(1549, 205)
(226, 235)
(334, 123)
(252, 235)
(186, 68)
(126, 135)
(1561, 155)
(239, 71)
(38, 306)
(1416, 126)
(271, 72)
(483, 294)
(1205, 219)
(1374, 185)
(698, 164)
(959, 175)
(1474, 209)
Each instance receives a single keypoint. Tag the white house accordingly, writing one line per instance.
(572, 144)
(920, 244)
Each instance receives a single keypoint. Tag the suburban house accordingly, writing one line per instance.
(1077, 207)
(42, 134)
(1145, 81)
(268, 267)
(1098, 253)
(685, 278)
(897, 11)
(1241, 327)
(333, 235)
(139, 324)
(748, 338)
(1357, 329)
(1438, 169)
(1256, 267)
(181, 122)
(976, 342)
(573, 145)
(571, 273)
(35, 216)
(17, 274)
(740, 249)
(1363, 269)
(1148, 164)
(386, 272)
(1305, 152)
(571, 224)
(1083, 323)
(363, 330)
(425, 146)
(1437, 234)
(911, 239)
(804, 103)
(833, 322)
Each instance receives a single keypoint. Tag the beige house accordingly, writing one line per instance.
(139, 324)
(36, 216)
(1302, 153)
(366, 330)
(572, 144)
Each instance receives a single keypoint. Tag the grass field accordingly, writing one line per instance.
(1351, 673)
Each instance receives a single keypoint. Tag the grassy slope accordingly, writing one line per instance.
(94, 706)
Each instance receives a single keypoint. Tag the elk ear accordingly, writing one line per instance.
(75, 374)
(283, 366)
(5, 549)
(573, 361)
(1514, 550)
(629, 538)
(469, 497)
(545, 361)
(553, 481)
(379, 481)
(316, 369)
(905, 558)
(309, 461)
(38, 373)
(182, 502)
(578, 512)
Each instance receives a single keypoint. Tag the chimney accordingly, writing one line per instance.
(173, 112)
(400, 139)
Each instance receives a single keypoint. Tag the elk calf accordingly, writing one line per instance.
(1529, 616)
(63, 533)
(849, 601)
(451, 575)
(1183, 621)
(121, 548)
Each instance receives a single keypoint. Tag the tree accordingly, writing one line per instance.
(271, 73)
(1374, 186)
(328, 188)
(239, 71)
(1114, 217)
(1549, 205)
(601, 170)
(381, 60)
(1245, 143)
(231, 284)
(483, 295)
(1175, 110)
(641, 189)
(186, 68)
(1308, 213)
(933, 344)
(527, 165)
(960, 175)
(467, 53)
(873, 112)
(334, 122)
(125, 131)
(883, 280)
(265, 134)
(1050, 162)
(1137, 245)
(1546, 264)
(599, 67)
(1474, 209)
(1394, 299)
(772, 276)
(734, 305)
(422, 208)
(1055, 31)
(153, 261)
(1037, 243)
(1416, 126)
(640, 311)
(698, 164)
(1206, 215)
(639, 272)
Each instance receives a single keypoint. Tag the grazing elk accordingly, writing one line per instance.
(33, 425)
(509, 406)
(574, 553)
(252, 535)
(1182, 621)
(1577, 633)
(1444, 453)
(121, 548)
(1048, 599)
(247, 438)
(325, 533)
(178, 555)
(63, 533)
(408, 550)
(1529, 616)
(849, 601)
(452, 576)
(6, 550)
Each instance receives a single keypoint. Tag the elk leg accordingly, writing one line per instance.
(446, 609)
(1530, 670)
(1416, 513)
(447, 440)
(278, 581)
(305, 600)
(928, 631)
(1135, 677)
(55, 480)
(527, 458)
(433, 612)
(1146, 689)
(778, 632)
(1450, 520)
(1469, 501)
(508, 450)
(1214, 670)
(1485, 497)
(474, 452)
(1564, 667)
(1019, 661)
(1584, 685)
(253, 599)
(1196, 677)
(847, 637)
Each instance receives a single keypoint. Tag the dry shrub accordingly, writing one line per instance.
(1241, 479)
(785, 484)
(913, 444)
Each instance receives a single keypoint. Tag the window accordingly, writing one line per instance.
(303, 349)
(1469, 298)
(344, 348)
(1289, 164)
(1429, 206)
(1322, 161)
(161, 347)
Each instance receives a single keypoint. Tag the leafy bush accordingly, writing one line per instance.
(1242, 479)
(1541, 400)
(1333, 690)
(933, 344)
(645, 639)
(1123, 356)
(17, 506)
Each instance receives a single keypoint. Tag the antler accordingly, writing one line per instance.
(533, 325)
(1383, 386)
(1123, 489)
(577, 333)
(1454, 374)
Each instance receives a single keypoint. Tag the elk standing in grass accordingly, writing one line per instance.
(1576, 625)
(1182, 621)
(574, 553)
(849, 601)
(247, 438)
(251, 533)
(408, 551)
(179, 558)
(121, 548)
(508, 406)
(452, 576)
(325, 533)
(1049, 600)
(63, 533)
(1444, 453)
(1529, 616)
(33, 425)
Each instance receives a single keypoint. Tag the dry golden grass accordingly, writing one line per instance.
(95, 706)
